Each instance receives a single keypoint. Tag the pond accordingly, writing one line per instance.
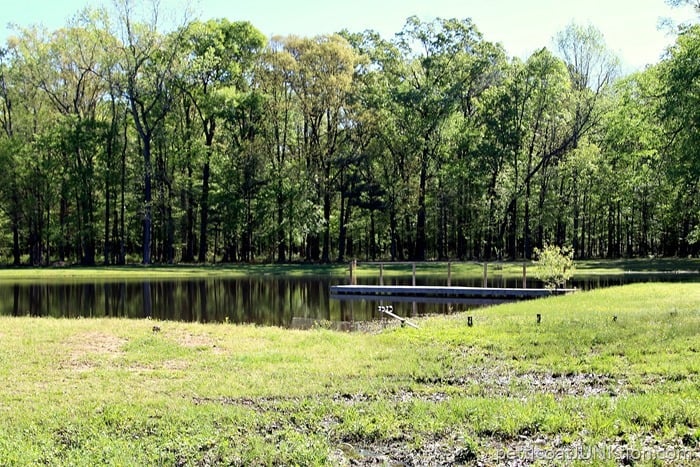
(261, 300)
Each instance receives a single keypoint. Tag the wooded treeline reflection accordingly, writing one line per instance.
(272, 302)
(254, 300)
(239, 301)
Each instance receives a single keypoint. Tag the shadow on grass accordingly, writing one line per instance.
(640, 265)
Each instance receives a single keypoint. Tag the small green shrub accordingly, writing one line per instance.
(555, 265)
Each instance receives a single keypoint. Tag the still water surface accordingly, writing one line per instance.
(272, 301)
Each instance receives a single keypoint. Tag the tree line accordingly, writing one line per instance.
(211, 143)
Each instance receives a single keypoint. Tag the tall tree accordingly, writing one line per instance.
(9, 148)
(322, 80)
(149, 63)
(273, 76)
(216, 74)
(446, 65)
(67, 74)
(680, 114)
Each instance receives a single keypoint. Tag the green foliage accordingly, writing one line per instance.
(555, 265)
(121, 140)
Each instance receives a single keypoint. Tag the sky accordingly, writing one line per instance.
(630, 27)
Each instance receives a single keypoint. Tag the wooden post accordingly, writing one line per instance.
(381, 273)
(524, 275)
(353, 266)
(413, 281)
(486, 268)
(449, 274)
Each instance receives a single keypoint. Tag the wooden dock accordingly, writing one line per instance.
(429, 293)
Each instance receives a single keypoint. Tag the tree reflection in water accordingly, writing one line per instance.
(254, 300)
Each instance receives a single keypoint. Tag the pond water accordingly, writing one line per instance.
(272, 301)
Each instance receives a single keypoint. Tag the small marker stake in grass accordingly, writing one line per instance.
(539, 318)
(470, 322)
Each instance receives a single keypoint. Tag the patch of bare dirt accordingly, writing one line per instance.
(176, 365)
(523, 450)
(401, 396)
(82, 348)
(500, 382)
(198, 341)
(526, 448)
(367, 327)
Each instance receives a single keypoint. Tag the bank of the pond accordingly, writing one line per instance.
(465, 270)
(607, 377)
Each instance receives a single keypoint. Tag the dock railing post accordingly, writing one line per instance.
(381, 273)
(449, 274)
(486, 269)
(524, 275)
(353, 266)
(413, 280)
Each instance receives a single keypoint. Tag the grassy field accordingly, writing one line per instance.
(467, 270)
(608, 377)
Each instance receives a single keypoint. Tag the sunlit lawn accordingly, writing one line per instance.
(458, 270)
(615, 368)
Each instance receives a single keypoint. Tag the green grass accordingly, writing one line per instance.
(466, 270)
(638, 265)
(614, 371)
(139, 272)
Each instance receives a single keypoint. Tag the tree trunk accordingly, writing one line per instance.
(204, 212)
(346, 243)
(313, 247)
(281, 251)
(343, 229)
(577, 213)
(420, 248)
(372, 236)
(611, 232)
(393, 228)
(188, 254)
(16, 252)
(209, 129)
(148, 196)
(527, 241)
(491, 216)
(509, 229)
(540, 210)
(247, 247)
(91, 240)
(170, 239)
(122, 206)
(326, 227)
(108, 206)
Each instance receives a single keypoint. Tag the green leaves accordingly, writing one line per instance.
(555, 265)
(429, 144)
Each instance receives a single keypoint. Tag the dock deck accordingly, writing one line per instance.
(403, 292)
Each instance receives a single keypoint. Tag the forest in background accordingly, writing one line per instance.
(209, 142)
